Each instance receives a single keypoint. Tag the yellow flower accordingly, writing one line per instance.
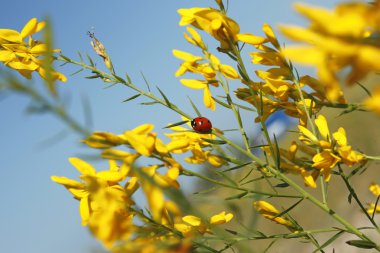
(183, 141)
(23, 56)
(375, 189)
(331, 152)
(221, 218)
(347, 43)
(141, 139)
(193, 223)
(195, 38)
(373, 102)
(212, 21)
(270, 212)
(92, 181)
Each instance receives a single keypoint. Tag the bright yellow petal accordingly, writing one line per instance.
(29, 28)
(228, 71)
(143, 129)
(340, 137)
(192, 220)
(304, 55)
(82, 166)
(207, 99)
(322, 126)
(194, 84)
(84, 209)
(250, 38)
(10, 35)
(221, 218)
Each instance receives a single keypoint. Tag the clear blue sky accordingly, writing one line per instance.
(38, 216)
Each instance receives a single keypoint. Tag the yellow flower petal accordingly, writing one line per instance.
(194, 84)
(192, 220)
(10, 36)
(84, 209)
(82, 166)
(323, 128)
(29, 28)
(221, 218)
(250, 38)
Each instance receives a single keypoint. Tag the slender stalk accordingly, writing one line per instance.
(304, 193)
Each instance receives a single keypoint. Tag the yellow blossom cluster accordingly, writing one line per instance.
(375, 190)
(207, 65)
(344, 38)
(278, 89)
(106, 197)
(23, 56)
(333, 149)
(270, 212)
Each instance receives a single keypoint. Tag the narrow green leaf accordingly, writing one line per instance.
(217, 142)
(80, 57)
(237, 196)
(270, 245)
(282, 185)
(290, 208)
(121, 80)
(65, 58)
(349, 198)
(221, 103)
(329, 241)
(365, 89)
(259, 146)
(374, 208)
(245, 77)
(76, 72)
(146, 82)
(131, 98)
(165, 98)
(237, 167)
(225, 177)
(278, 156)
(176, 124)
(90, 60)
(149, 103)
(361, 244)
(194, 107)
(93, 77)
(244, 107)
(128, 78)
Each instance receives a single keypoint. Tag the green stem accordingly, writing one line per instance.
(304, 193)
(218, 182)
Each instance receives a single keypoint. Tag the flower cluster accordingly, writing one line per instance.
(106, 197)
(23, 56)
(279, 88)
(344, 37)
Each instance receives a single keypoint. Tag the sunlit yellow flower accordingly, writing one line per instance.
(212, 21)
(195, 38)
(221, 218)
(184, 141)
(333, 149)
(346, 43)
(375, 189)
(141, 139)
(372, 103)
(193, 223)
(91, 182)
(24, 56)
(270, 212)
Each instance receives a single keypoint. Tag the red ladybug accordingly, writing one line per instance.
(201, 125)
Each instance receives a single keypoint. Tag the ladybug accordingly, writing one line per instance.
(201, 125)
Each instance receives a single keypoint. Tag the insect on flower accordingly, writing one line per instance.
(201, 125)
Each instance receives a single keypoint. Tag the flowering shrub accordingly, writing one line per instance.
(140, 160)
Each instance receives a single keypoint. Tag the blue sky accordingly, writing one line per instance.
(38, 216)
